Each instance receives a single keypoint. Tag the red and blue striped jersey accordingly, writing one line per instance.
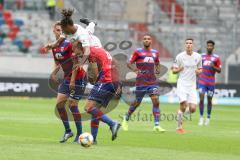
(105, 63)
(145, 62)
(207, 77)
(63, 55)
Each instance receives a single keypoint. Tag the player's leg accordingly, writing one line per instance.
(182, 95)
(61, 101)
(74, 98)
(139, 93)
(60, 106)
(210, 94)
(202, 90)
(94, 129)
(100, 95)
(156, 113)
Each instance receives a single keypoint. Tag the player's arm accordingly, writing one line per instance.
(218, 65)
(157, 64)
(55, 71)
(92, 72)
(74, 73)
(177, 67)
(130, 63)
(199, 67)
(55, 43)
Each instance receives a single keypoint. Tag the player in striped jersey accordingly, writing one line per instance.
(147, 65)
(206, 80)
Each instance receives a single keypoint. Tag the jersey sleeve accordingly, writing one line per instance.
(157, 60)
(219, 63)
(199, 65)
(134, 57)
(84, 39)
(177, 63)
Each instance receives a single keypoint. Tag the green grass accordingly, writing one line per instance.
(29, 130)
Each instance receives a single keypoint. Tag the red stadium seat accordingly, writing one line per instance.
(7, 15)
(14, 28)
(12, 35)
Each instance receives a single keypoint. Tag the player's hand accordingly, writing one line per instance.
(118, 92)
(157, 72)
(198, 71)
(54, 78)
(48, 47)
(72, 85)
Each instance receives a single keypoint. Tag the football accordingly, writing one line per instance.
(85, 139)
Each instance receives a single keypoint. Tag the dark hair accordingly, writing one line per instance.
(210, 41)
(189, 39)
(66, 17)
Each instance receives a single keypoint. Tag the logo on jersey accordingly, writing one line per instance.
(58, 56)
(149, 59)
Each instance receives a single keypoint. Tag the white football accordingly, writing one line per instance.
(85, 139)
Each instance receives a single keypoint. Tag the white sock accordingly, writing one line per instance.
(179, 118)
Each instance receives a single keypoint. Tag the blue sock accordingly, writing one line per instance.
(156, 114)
(94, 128)
(107, 120)
(63, 115)
(201, 108)
(77, 118)
(209, 110)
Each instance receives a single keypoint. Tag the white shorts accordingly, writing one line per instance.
(187, 93)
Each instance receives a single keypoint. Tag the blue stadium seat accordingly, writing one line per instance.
(1, 41)
(2, 21)
(18, 22)
(17, 42)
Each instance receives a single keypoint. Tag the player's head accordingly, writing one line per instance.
(67, 22)
(210, 46)
(189, 44)
(57, 30)
(77, 48)
(147, 41)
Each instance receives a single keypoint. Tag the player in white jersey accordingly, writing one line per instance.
(188, 64)
(76, 33)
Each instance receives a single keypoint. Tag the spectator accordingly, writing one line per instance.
(20, 4)
(51, 4)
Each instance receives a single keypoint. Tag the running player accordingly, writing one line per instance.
(206, 80)
(188, 64)
(147, 64)
(71, 88)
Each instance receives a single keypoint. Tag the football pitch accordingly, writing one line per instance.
(29, 130)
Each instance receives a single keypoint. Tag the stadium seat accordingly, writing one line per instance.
(2, 21)
(17, 42)
(7, 15)
(1, 41)
(18, 22)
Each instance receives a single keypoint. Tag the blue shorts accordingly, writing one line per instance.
(77, 94)
(141, 91)
(103, 92)
(206, 89)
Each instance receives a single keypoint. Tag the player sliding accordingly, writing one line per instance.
(206, 80)
(71, 88)
(188, 64)
(147, 64)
